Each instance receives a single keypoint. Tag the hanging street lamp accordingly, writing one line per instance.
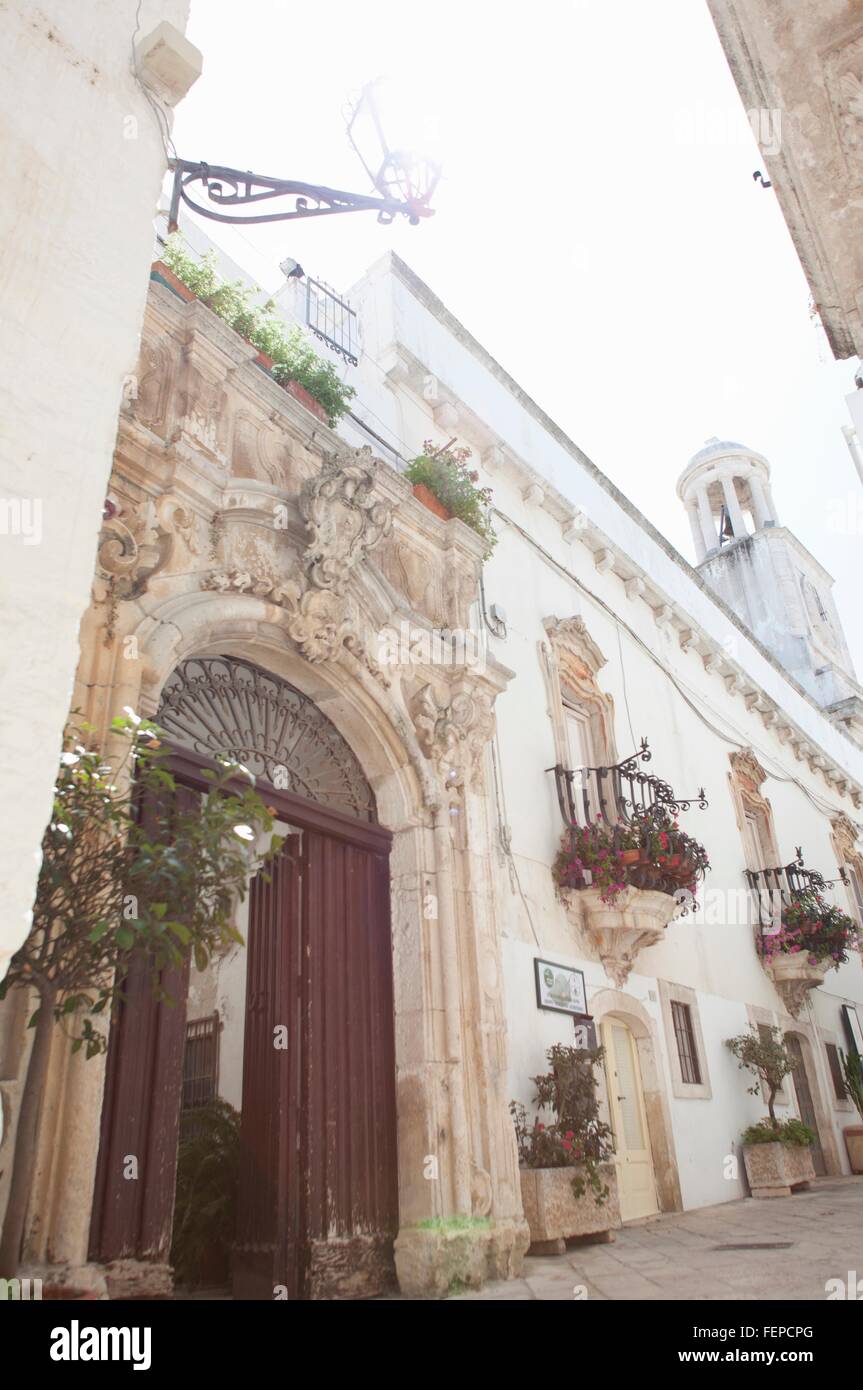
(404, 179)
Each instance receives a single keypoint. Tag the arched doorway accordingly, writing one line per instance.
(317, 1208)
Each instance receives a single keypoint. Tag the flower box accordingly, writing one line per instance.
(853, 1135)
(159, 271)
(305, 398)
(428, 499)
(554, 1213)
(776, 1170)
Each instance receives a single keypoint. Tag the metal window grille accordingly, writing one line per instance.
(834, 1061)
(689, 1068)
(201, 1062)
(332, 320)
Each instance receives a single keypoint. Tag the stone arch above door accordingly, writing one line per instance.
(218, 706)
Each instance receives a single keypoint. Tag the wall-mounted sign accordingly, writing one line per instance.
(853, 1027)
(559, 987)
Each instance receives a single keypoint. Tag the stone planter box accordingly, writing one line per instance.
(775, 1170)
(554, 1213)
(854, 1144)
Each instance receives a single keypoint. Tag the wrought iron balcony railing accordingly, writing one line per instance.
(616, 795)
(777, 888)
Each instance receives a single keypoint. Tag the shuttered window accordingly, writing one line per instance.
(834, 1061)
(690, 1070)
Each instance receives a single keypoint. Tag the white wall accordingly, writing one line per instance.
(691, 718)
(83, 163)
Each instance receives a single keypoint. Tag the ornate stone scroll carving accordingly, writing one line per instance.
(344, 516)
(453, 728)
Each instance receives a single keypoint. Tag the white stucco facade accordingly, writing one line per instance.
(680, 670)
(85, 158)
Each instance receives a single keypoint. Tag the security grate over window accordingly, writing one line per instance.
(201, 1062)
(332, 320)
(690, 1071)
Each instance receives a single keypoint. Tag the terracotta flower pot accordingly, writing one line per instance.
(159, 271)
(428, 499)
(854, 1144)
(304, 397)
(630, 856)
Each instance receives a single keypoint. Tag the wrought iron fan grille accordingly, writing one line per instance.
(219, 706)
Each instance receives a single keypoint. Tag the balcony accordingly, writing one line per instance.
(624, 867)
(800, 935)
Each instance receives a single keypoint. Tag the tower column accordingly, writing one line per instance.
(761, 512)
(708, 525)
(697, 535)
(732, 502)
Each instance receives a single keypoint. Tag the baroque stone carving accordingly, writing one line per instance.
(133, 546)
(453, 728)
(748, 769)
(794, 978)
(344, 517)
(620, 931)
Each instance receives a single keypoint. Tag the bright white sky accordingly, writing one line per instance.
(598, 229)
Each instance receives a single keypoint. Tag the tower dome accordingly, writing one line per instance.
(725, 489)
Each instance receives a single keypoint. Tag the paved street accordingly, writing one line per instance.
(682, 1256)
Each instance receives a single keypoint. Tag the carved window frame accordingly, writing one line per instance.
(746, 779)
(844, 836)
(571, 662)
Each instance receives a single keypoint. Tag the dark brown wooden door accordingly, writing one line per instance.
(318, 1202)
(133, 1202)
(804, 1100)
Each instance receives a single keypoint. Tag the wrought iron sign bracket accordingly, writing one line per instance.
(230, 188)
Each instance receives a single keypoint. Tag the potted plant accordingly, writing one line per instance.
(777, 1154)
(648, 851)
(284, 353)
(568, 1181)
(445, 484)
(813, 937)
(852, 1066)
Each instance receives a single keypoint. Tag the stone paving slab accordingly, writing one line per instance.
(675, 1257)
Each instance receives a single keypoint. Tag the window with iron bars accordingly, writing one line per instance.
(332, 320)
(690, 1071)
(201, 1062)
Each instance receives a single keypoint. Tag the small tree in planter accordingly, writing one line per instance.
(852, 1065)
(128, 873)
(446, 474)
(776, 1153)
(569, 1188)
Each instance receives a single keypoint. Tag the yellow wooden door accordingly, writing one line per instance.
(629, 1122)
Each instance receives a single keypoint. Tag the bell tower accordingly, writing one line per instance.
(767, 576)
